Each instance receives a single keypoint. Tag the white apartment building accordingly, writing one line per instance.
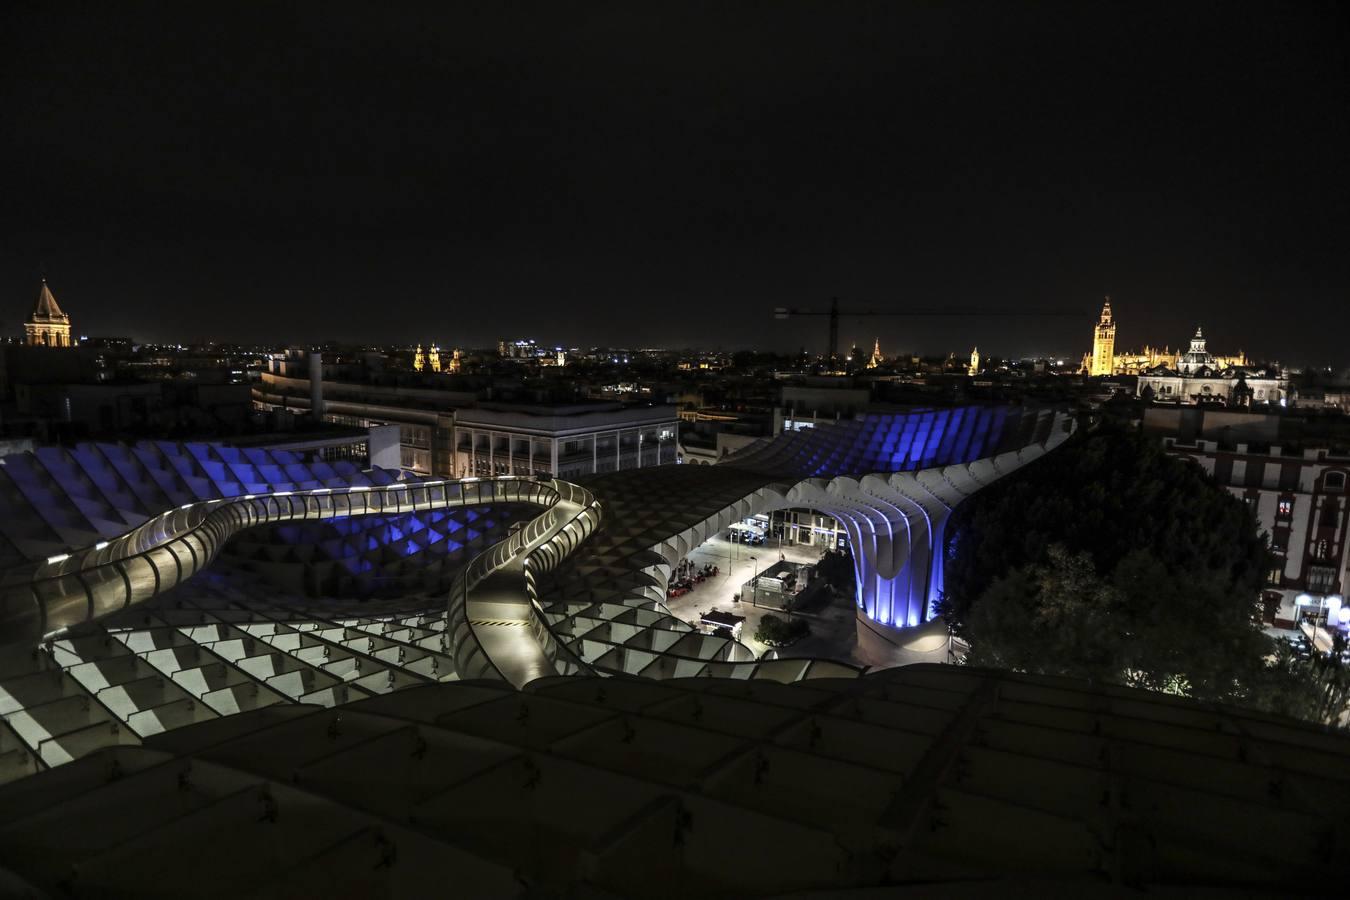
(568, 441)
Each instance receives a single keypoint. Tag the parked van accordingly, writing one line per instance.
(743, 534)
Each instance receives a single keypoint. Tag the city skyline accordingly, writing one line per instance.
(626, 176)
(523, 450)
(45, 297)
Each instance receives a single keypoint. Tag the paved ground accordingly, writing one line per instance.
(833, 631)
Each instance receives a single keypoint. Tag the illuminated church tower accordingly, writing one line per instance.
(48, 326)
(876, 355)
(974, 362)
(434, 358)
(419, 359)
(1104, 343)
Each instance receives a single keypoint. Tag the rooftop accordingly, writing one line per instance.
(940, 780)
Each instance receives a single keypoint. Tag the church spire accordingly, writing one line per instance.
(48, 326)
(47, 309)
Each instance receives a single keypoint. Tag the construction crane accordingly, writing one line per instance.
(784, 312)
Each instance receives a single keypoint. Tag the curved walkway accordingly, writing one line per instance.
(493, 620)
(496, 629)
(893, 479)
(44, 598)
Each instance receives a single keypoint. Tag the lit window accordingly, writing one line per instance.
(1286, 509)
(1322, 549)
(1275, 576)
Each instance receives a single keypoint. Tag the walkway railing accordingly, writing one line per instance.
(547, 557)
(41, 598)
(545, 541)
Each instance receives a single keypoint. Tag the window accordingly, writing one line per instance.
(1334, 481)
(1274, 577)
(1321, 578)
(1279, 541)
(1286, 509)
(1321, 549)
(1289, 473)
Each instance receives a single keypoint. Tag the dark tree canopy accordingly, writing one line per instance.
(1111, 559)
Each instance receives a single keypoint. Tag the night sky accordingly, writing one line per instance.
(641, 174)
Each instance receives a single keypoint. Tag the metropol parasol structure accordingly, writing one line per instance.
(406, 680)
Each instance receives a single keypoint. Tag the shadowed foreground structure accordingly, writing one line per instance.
(959, 782)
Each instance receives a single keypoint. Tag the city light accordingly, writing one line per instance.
(869, 471)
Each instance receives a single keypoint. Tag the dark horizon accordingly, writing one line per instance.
(636, 176)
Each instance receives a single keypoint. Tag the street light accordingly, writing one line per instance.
(754, 585)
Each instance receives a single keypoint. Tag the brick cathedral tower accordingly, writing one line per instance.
(1104, 343)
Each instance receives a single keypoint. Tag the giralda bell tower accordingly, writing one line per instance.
(1104, 343)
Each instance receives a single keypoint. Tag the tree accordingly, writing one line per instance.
(1316, 688)
(836, 568)
(1111, 559)
(779, 633)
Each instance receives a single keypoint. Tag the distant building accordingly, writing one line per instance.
(1199, 357)
(425, 416)
(876, 355)
(1103, 360)
(1134, 363)
(427, 359)
(568, 441)
(48, 326)
(1103, 343)
(974, 368)
(1199, 377)
(1294, 475)
(517, 349)
(823, 400)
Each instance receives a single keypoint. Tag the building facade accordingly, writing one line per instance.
(1132, 363)
(48, 326)
(1103, 360)
(1103, 343)
(566, 441)
(1295, 481)
(425, 417)
(1200, 378)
